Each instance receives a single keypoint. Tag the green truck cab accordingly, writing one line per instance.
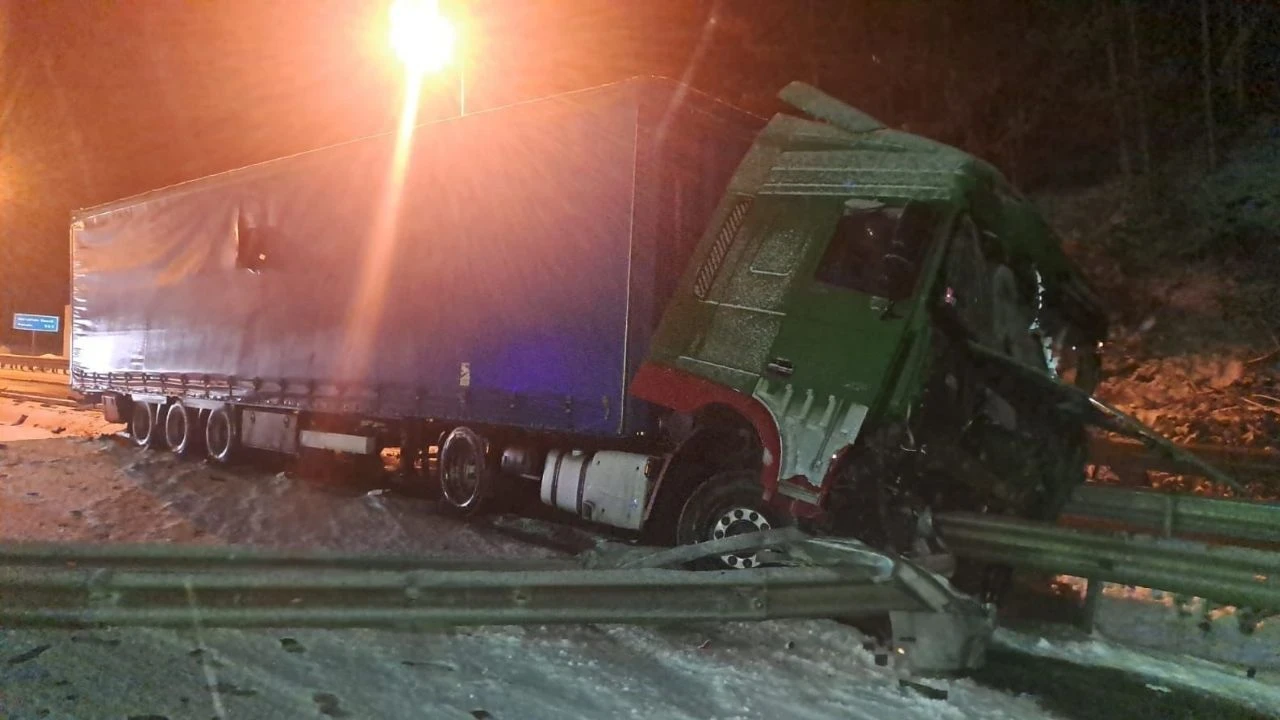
(823, 355)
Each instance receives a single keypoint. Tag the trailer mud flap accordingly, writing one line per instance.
(116, 408)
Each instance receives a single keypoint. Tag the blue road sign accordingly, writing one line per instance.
(35, 323)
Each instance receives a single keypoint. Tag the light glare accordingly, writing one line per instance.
(421, 37)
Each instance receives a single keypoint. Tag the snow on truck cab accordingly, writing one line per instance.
(672, 319)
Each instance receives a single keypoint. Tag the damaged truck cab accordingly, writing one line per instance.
(817, 350)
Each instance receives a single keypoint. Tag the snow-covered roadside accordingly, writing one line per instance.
(805, 670)
(99, 490)
(21, 420)
(1170, 623)
(1162, 669)
(1171, 641)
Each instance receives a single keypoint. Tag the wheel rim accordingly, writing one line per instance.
(218, 435)
(739, 521)
(460, 477)
(141, 425)
(175, 428)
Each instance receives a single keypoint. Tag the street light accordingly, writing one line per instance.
(425, 41)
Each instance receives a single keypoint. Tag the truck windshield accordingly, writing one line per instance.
(878, 251)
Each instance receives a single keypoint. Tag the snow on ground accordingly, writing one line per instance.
(1163, 669)
(35, 421)
(1172, 640)
(92, 488)
(714, 671)
(97, 489)
(100, 490)
(1164, 621)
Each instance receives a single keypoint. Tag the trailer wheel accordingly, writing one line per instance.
(142, 426)
(221, 436)
(466, 481)
(181, 429)
(727, 504)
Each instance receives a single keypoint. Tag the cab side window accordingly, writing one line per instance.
(878, 251)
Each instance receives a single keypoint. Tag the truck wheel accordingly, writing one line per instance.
(142, 426)
(221, 436)
(728, 504)
(181, 429)
(465, 479)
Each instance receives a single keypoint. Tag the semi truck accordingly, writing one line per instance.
(669, 315)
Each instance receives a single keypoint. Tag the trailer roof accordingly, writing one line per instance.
(687, 94)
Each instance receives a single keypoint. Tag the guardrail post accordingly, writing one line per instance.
(1092, 592)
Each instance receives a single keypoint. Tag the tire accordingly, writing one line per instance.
(142, 426)
(222, 436)
(182, 429)
(727, 504)
(465, 478)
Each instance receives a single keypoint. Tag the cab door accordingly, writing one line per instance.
(846, 316)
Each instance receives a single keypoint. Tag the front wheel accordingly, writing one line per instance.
(726, 505)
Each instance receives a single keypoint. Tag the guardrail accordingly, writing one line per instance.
(31, 362)
(1177, 514)
(934, 627)
(1236, 575)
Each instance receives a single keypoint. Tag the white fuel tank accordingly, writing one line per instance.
(605, 486)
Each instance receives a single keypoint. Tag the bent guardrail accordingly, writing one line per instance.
(935, 628)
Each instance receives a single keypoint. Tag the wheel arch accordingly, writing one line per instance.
(716, 409)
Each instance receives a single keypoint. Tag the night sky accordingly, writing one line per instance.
(102, 99)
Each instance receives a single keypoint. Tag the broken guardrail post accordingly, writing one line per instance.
(947, 632)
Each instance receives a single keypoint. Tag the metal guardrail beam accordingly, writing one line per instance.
(1176, 514)
(935, 628)
(201, 558)
(30, 362)
(1236, 575)
(356, 598)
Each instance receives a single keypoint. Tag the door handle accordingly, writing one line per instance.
(780, 367)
